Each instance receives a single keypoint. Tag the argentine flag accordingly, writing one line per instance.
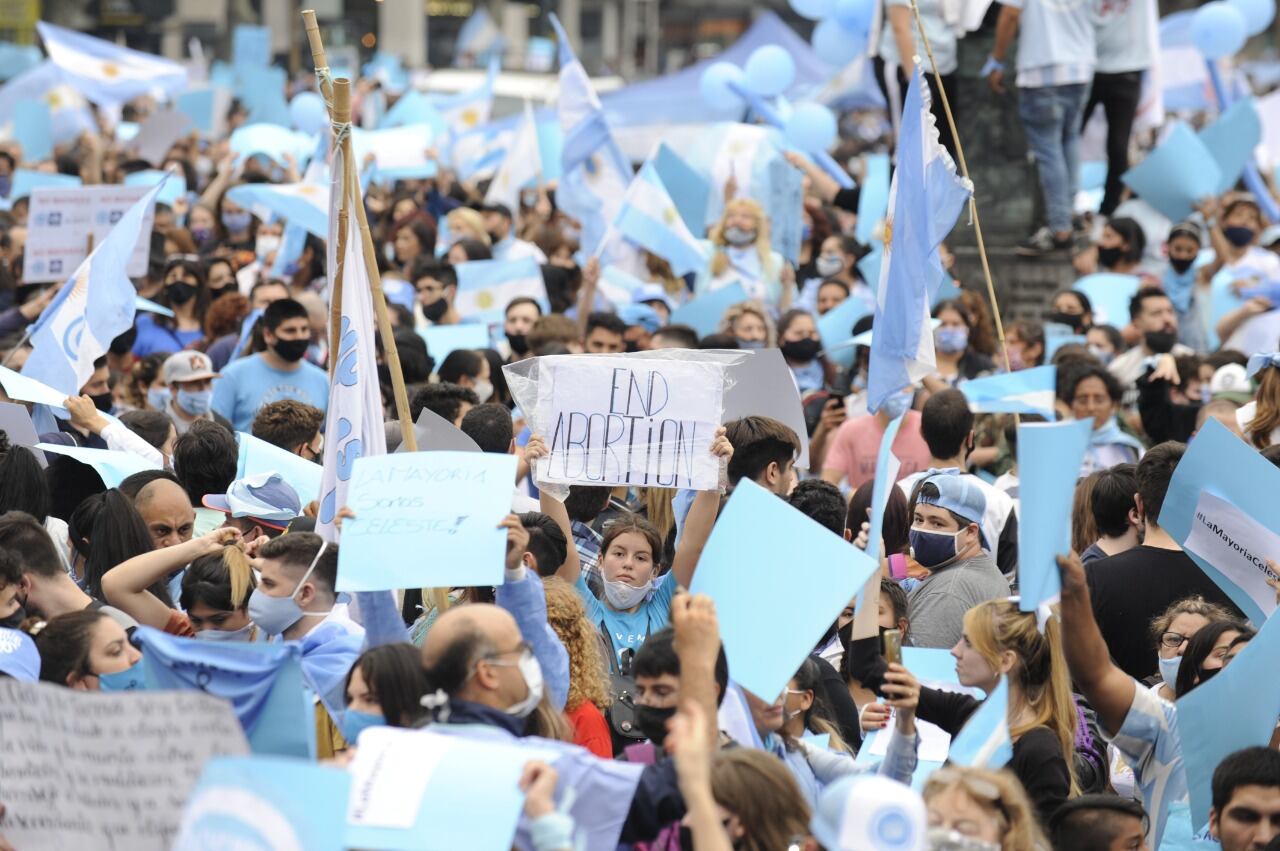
(924, 199)
(93, 308)
(468, 110)
(1028, 391)
(595, 174)
(520, 167)
(479, 37)
(106, 73)
(68, 111)
(486, 287)
(304, 203)
(649, 218)
(984, 742)
(476, 154)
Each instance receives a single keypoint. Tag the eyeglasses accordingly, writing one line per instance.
(1173, 639)
(521, 648)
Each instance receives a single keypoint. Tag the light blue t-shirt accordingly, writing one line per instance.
(942, 39)
(1057, 42)
(628, 630)
(153, 338)
(249, 383)
(1126, 36)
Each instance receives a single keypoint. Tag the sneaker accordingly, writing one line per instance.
(1040, 243)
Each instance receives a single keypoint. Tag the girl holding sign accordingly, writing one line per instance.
(637, 601)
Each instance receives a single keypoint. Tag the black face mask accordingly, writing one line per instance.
(1075, 321)
(291, 350)
(653, 722)
(435, 310)
(103, 402)
(214, 295)
(1160, 342)
(1239, 236)
(801, 350)
(1110, 256)
(519, 343)
(180, 293)
(12, 621)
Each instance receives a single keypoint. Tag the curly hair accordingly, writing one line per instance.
(587, 674)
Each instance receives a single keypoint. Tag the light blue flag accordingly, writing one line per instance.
(151, 307)
(175, 184)
(263, 682)
(479, 38)
(703, 314)
(873, 199)
(93, 308)
(17, 58)
(22, 388)
(925, 198)
(595, 173)
(735, 571)
(305, 204)
(70, 114)
(1027, 391)
(271, 140)
(199, 105)
(444, 339)
(413, 107)
(1235, 709)
(648, 218)
(486, 287)
(250, 46)
(687, 188)
(444, 506)
(984, 741)
(33, 129)
(887, 466)
(479, 152)
(551, 145)
(257, 457)
(112, 465)
(388, 70)
(469, 109)
(106, 73)
(1218, 498)
(266, 802)
(836, 327)
(618, 286)
(1109, 294)
(1231, 140)
(1176, 175)
(783, 202)
(1049, 456)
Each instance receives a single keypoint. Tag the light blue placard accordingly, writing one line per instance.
(783, 205)
(550, 148)
(703, 314)
(174, 188)
(869, 266)
(1027, 391)
(836, 327)
(1056, 336)
(25, 180)
(111, 465)
(687, 188)
(443, 339)
(1231, 140)
(1219, 463)
(33, 129)
(1109, 295)
(271, 141)
(266, 802)
(873, 201)
(1234, 710)
(250, 46)
(198, 105)
(472, 798)
(1177, 175)
(262, 91)
(1223, 300)
(258, 456)
(1049, 456)
(443, 508)
(886, 475)
(738, 570)
(984, 740)
(22, 388)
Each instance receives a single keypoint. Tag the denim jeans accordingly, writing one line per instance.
(1051, 119)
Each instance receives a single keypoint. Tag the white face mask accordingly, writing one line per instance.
(1169, 669)
(829, 264)
(483, 390)
(532, 673)
(266, 245)
(622, 596)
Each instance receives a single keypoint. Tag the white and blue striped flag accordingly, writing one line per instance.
(521, 166)
(468, 110)
(595, 173)
(479, 38)
(649, 218)
(925, 198)
(486, 287)
(984, 742)
(106, 73)
(1027, 391)
(94, 307)
(354, 422)
(303, 203)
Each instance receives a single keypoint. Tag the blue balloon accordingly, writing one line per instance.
(307, 112)
(1258, 14)
(1218, 29)
(836, 45)
(855, 15)
(811, 127)
(814, 10)
(770, 70)
(715, 89)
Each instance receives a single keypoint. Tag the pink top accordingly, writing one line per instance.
(857, 443)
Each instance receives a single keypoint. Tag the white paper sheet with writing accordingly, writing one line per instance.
(104, 772)
(382, 793)
(1237, 545)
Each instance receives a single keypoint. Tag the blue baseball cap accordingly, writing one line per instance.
(265, 498)
(647, 293)
(18, 656)
(957, 493)
(640, 314)
(864, 812)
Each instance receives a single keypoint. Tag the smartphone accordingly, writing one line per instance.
(893, 646)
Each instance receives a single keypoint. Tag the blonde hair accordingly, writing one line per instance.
(1011, 808)
(1267, 416)
(657, 508)
(1084, 528)
(1193, 605)
(240, 574)
(588, 681)
(754, 308)
(471, 220)
(759, 789)
(1038, 680)
(720, 262)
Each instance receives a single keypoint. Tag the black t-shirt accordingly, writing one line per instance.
(1131, 588)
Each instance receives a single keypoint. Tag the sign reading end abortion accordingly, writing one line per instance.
(630, 421)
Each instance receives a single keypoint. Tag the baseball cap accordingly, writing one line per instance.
(1231, 382)
(958, 494)
(640, 314)
(265, 498)
(187, 366)
(399, 291)
(865, 812)
(18, 656)
(646, 293)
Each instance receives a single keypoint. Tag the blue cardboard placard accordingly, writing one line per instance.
(1177, 175)
(873, 201)
(984, 740)
(703, 314)
(250, 46)
(1231, 140)
(111, 465)
(1027, 391)
(33, 129)
(257, 456)
(836, 327)
(444, 339)
(1049, 456)
(1109, 295)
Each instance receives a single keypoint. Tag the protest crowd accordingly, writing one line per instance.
(376, 473)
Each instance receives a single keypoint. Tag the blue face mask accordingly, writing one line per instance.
(195, 401)
(244, 633)
(1169, 669)
(951, 340)
(896, 405)
(933, 549)
(130, 679)
(236, 222)
(751, 344)
(353, 723)
(158, 397)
